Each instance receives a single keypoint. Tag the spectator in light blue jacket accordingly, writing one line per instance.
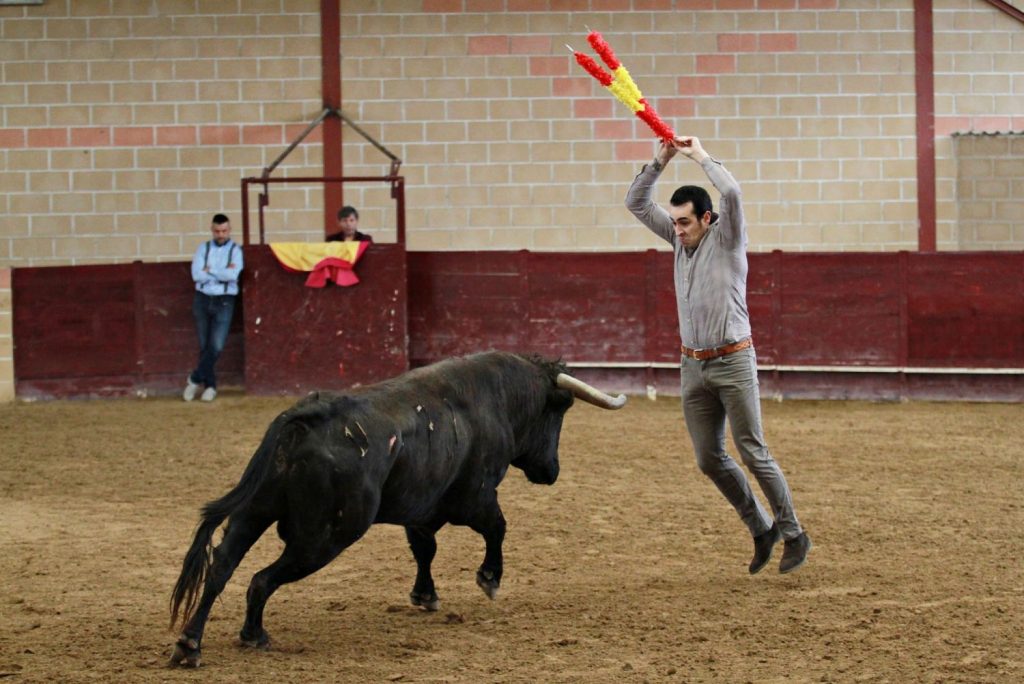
(216, 267)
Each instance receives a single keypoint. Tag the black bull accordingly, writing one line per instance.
(424, 449)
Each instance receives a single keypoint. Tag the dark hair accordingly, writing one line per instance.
(347, 211)
(220, 219)
(692, 193)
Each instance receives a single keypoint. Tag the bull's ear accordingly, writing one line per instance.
(560, 399)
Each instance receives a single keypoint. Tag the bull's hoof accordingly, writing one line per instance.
(486, 580)
(429, 601)
(186, 653)
(260, 642)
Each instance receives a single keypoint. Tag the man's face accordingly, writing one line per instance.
(688, 226)
(221, 232)
(348, 225)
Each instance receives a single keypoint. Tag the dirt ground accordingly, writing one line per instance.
(631, 568)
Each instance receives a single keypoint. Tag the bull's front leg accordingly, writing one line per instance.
(490, 524)
(423, 543)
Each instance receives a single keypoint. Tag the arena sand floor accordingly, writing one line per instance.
(631, 568)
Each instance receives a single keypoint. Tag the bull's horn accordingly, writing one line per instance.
(589, 394)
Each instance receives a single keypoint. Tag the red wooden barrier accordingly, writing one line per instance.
(901, 316)
(300, 339)
(109, 330)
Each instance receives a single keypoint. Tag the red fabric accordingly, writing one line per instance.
(338, 271)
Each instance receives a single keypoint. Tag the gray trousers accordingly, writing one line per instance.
(727, 387)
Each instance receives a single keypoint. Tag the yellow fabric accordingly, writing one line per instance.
(303, 256)
(626, 90)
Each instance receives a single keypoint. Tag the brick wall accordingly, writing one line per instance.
(990, 189)
(6, 338)
(126, 124)
(979, 88)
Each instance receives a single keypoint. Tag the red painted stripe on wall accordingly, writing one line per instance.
(489, 6)
(592, 109)
(12, 137)
(757, 42)
(549, 66)
(150, 136)
(488, 45)
(521, 45)
(716, 64)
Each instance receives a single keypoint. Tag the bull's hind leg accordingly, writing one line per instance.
(490, 523)
(423, 543)
(294, 564)
(241, 533)
(310, 544)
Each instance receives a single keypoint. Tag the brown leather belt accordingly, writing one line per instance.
(705, 354)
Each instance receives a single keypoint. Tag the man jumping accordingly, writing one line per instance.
(718, 366)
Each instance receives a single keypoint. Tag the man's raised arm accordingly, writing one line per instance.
(730, 209)
(638, 199)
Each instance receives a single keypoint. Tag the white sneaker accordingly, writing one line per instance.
(209, 394)
(190, 389)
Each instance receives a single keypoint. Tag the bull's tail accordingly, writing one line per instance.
(196, 566)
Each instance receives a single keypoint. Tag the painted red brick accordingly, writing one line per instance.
(48, 137)
(819, 4)
(944, 125)
(549, 66)
(613, 130)
(776, 4)
(442, 5)
(563, 5)
(133, 136)
(572, 87)
(593, 109)
(176, 135)
(632, 151)
(991, 124)
(484, 5)
(675, 106)
(261, 135)
(528, 5)
(735, 4)
(524, 45)
(737, 42)
(293, 131)
(612, 6)
(488, 45)
(90, 137)
(716, 64)
(698, 85)
(658, 5)
(218, 135)
(12, 137)
(777, 42)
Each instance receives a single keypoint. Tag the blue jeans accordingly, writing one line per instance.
(212, 315)
(727, 388)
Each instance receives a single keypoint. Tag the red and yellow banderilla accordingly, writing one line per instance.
(621, 85)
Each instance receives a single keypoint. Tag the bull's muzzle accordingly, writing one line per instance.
(591, 395)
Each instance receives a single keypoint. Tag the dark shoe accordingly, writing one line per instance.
(763, 545)
(795, 553)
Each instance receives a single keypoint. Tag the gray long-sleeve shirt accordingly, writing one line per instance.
(711, 281)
